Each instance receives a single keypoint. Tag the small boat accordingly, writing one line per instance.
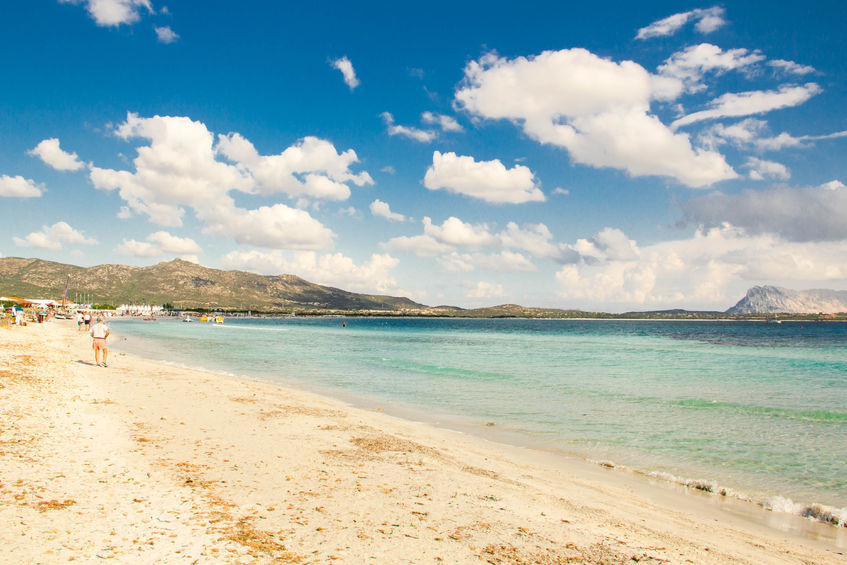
(149, 319)
(219, 320)
(187, 319)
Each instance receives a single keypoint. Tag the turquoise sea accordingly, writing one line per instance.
(754, 409)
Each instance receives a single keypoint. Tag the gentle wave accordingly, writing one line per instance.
(818, 512)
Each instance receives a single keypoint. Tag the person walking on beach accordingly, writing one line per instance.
(79, 321)
(87, 319)
(100, 332)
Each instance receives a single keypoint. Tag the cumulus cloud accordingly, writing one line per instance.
(113, 12)
(484, 289)
(311, 168)
(372, 276)
(750, 103)
(138, 248)
(711, 270)
(344, 65)
(761, 169)
(165, 34)
(274, 227)
(383, 210)
(19, 187)
(796, 214)
(487, 180)
(505, 261)
(50, 152)
(707, 20)
(180, 170)
(595, 108)
(453, 234)
(446, 123)
(160, 243)
(690, 65)
(52, 237)
(609, 244)
(422, 135)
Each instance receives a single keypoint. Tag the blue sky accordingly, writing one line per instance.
(572, 155)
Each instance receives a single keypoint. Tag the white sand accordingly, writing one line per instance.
(148, 463)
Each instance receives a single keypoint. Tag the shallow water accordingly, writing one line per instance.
(758, 408)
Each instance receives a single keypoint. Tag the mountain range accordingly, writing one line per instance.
(189, 286)
(184, 285)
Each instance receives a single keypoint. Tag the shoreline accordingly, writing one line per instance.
(145, 459)
(763, 503)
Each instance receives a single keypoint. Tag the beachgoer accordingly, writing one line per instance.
(79, 321)
(100, 332)
(87, 319)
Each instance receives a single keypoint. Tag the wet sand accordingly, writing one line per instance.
(143, 462)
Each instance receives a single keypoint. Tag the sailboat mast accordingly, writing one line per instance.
(65, 296)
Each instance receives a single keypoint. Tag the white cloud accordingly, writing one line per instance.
(761, 169)
(754, 102)
(50, 152)
(273, 227)
(179, 169)
(753, 133)
(350, 211)
(560, 190)
(795, 214)
(346, 67)
(383, 210)
(484, 289)
(447, 237)
(690, 65)
(19, 187)
(160, 243)
(172, 244)
(52, 237)
(535, 239)
(595, 108)
(454, 234)
(165, 34)
(113, 12)
(334, 269)
(420, 245)
(711, 270)
(324, 172)
(422, 135)
(609, 244)
(138, 248)
(446, 123)
(790, 67)
(487, 180)
(708, 20)
(505, 261)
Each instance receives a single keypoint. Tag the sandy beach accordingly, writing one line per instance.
(143, 462)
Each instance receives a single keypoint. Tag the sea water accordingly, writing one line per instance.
(752, 409)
